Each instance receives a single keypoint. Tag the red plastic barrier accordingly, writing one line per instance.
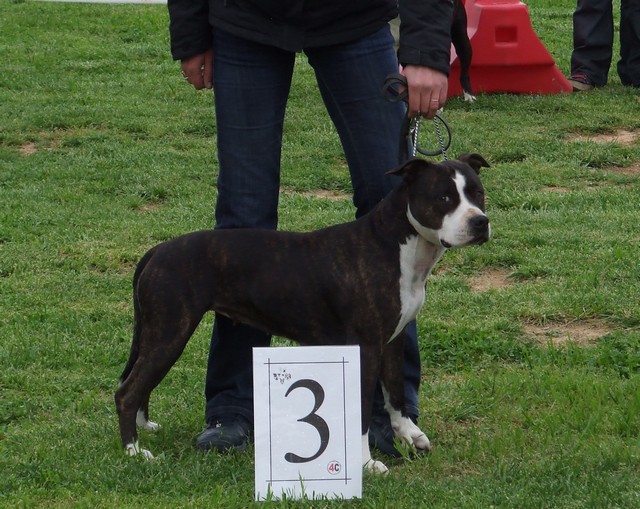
(507, 54)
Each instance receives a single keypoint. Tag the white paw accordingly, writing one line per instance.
(470, 98)
(376, 467)
(421, 441)
(369, 464)
(409, 433)
(404, 428)
(135, 450)
(143, 423)
(149, 425)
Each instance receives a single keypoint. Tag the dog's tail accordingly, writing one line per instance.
(137, 322)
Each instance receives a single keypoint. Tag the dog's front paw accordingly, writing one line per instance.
(470, 98)
(376, 467)
(410, 434)
(135, 450)
(368, 463)
(421, 441)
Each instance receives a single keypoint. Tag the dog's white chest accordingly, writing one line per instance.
(417, 259)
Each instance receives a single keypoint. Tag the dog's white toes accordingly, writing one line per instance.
(146, 454)
(422, 443)
(132, 449)
(376, 467)
(409, 433)
(470, 98)
(135, 450)
(368, 463)
(151, 426)
(143, 423)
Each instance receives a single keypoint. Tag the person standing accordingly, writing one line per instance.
(245, 50)
(593, 44)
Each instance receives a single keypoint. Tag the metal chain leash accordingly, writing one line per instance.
(443, 148)
(414, 130)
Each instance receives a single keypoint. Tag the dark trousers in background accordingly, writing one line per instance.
(593, 41)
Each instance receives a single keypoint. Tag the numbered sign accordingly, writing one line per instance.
(308, 437)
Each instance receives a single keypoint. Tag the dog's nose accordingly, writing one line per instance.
(479, 228)
(479, 224)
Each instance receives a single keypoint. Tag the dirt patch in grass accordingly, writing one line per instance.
(322, 194)
(148, 207)
(630, 171)
(559, 190)
(28, 149)
(490, 279)
(580, 332)
(620, 137)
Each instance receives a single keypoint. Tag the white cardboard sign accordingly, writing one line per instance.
(308, 437)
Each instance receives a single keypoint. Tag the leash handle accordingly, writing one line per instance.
(395, 90)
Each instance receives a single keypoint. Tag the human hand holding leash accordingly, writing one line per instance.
(396, 89)
(198, 69)
(427, 90)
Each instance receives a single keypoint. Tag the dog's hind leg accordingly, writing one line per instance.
(160, 347)
(393, 390)
(127, 410)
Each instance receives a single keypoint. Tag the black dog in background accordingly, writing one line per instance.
(462, 44)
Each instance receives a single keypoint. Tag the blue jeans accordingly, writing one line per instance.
(251, 85)
(593, 41)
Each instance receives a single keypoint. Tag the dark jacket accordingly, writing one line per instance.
(294, 25)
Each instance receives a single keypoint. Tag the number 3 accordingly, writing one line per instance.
(312, 418)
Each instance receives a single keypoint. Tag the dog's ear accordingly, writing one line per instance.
(476, 161)
(410, 168)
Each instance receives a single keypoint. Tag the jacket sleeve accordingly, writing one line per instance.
(425, 33)
(189, 27)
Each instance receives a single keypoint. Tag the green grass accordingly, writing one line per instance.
(105, 151)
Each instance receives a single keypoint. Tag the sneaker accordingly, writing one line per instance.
(381, 436)
(225, 434)
(581, 83)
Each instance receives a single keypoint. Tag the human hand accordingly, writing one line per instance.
(427, 89)
(198, 69)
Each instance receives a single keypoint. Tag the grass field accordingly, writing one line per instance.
(530, 343)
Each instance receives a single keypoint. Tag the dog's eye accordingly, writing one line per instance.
(445, 198)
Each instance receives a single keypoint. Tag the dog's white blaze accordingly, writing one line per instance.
(417, 258)
(455, 229)
(368, 463)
